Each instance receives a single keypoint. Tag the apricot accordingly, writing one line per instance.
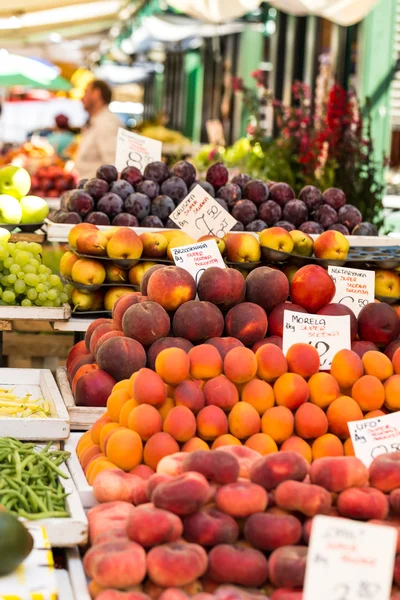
(195, 444)
(97, 427)
(85, 441)
(105, 431)
(96, 466)
(342, 410)
(346, 368)
(225, 440)
(221, 392)
(115, 403)
(310, 421)
(159, 445)
(124, 384)
(205, 362)
(149, 388)
(327, 445)
(211, 423)
(180, 423)
(303, 359)
(259, 394)
(392, 392)
(278, 422)
(240, 365)
(396, 360)
(377, 364)
(91, 452)
(372, 414)
(271, 362)
(297, 444)
(368, 392)
(172, 365)
(165, 407)
(164, 343)
(262, 443)
(324, 389)
(190, 394)
(145, 420)
(244, 420)
(125, 449)
(348, 447)
(126, 412)
(291, 390)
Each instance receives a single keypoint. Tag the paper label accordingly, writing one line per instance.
(198, 257)
(349, 560)
(354, 287)
(199, 214)
(135, 150)
(372, 437)
(326, 333)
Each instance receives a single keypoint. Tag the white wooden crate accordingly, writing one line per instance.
(77, 575)
(41, 384)
(85, 490)
(81, 417)
(37, 313)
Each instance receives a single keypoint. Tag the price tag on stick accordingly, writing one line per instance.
(327, 334)
(199, 214)
(372, 437)
(198, 257)
(349, 560)
(354, 287)
(135, 150)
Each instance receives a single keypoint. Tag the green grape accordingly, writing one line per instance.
(6, 272)
(42, 277)
(54, 280)
(4, 280)
(68, 289)
(38, 302)
(20, 286)
(52, 294)
(22, 245)
(26, 302)
(8, 296)
(63, 298)
(22, 258)
(3, 253)
(48, 303)
(40, 287)
(11, 279)
(21, 275)
(15, 269)
(34, 263)
(29, 268)
(10, 246)
(1, 292)
(35, 248)
(8, 262)
(32, 294)
(43, 269)
(42, 296)
(2, 303)
(31, 279)
(57, 302)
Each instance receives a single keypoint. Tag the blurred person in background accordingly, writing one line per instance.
(61, 137)
(99, 136)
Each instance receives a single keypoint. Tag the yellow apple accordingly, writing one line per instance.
(277, 238)
(331, 245)
(303, 243)
(387, 283)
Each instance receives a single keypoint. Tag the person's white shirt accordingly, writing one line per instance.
(98, 143)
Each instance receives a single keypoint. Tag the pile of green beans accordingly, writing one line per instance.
(30, 480)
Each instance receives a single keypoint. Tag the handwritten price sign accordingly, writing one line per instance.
(348, 560)
(199, 214)
(354, 287)
(372, 437)
(198, 257)
(135, 150)
(326, 333)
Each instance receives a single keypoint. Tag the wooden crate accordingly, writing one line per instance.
(85, 490)
(81, 417)
(77, 575)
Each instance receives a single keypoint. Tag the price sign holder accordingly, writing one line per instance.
(198, 257)
(326, 333)
(372, 437)
(349, 560)
(199, 214)
(135, 150)
(354, 287)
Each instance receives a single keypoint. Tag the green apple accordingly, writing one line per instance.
(14, 181)
(10, 209)
(34, 209)
(4, 235)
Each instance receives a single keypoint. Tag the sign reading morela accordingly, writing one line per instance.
(198, 257)
(135, 150)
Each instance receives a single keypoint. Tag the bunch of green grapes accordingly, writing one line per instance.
(24, 280)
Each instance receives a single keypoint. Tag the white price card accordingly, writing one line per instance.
(354, 287)
(135, 150)
(349, 560)
(196, 258)
(372, 437)
(199, 214)
(326, 333)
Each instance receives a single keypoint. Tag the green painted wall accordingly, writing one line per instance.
(250, 56)
(194, 72)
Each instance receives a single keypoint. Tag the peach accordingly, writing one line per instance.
(120, 357)
(149, 388)
(121, 306)
(363, 503)
(83, 370)
(327, 445)
(337, 473)
(198, 321)
(312, 288)
(291, 391)
(116, 595)
(143, 471)
(278, 422)
(275, 319)
(241, 499)
(173, 594)
(159, 445)
(105, 337)
(220, 467)
(190, 394)
(342, 410)
(195, 444)
(267, 278)
(287, 566)
(209, 527)
(93, 389)
(267, 531)
(297, 444)
(378, 365)
(78, 349)
(112, 485)
(243, 420)
(183, 495)
(145, 420)
(172, 365)
(262, 443)
(171, 287)
(303, 359)
(205, 362)
(246, 457)
(124, 449)
(259, 394)
(324, 389)
(394, 500)
(308, 499)
(224, 344)
(392, 392)
(310, 421)
(163, 344)
(378, 323)
(237, 564)
(154, 481)
(98, 332)
(146, 276)
(150, 526)
(346, 368)
(88, 334)
(368, 392)
(221, 392)
(271, 361)
(276, 340)
(180, 423)
(117, 564)
(271, 470)
(247, 322)
(115, 512)
(361, 348)
(146, 323)
(336, 310)
(285, 594)
(223, 287)
(171, 464)
(225, 440)
(176, 564)
(384, 472)
(211, 422)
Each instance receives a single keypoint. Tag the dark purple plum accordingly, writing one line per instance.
(241, 179)
(96, 188)
(245, 211)
(170, 224)
(69, 217)
(111, 204)
(334, 197)
(222, 202)
(326, 215)
(270, 212)
(186, 171)
(81, 184)
(281, 193)
(156, 171)
(311, 227)
(52, 216)
(231, 193)
(162, 207)
(57, 215)
(64, 200)
(148, 187)
(174, 188)
(80, 202)
(350, 216)
(257, 225)
(97, 218)
(107, 172)
(238, 227)
(365, 228)
(151, 221)
(125, 220)
(207, 187)
(257, 191)
(132, 175)
(311, 196)
(122, 188)
(339, 227)
(138, 205)
(217, 175)
(295, 211)
(285, 225)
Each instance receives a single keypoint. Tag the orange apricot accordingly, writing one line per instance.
(278, 422)
(97, 427)
(149, 388)
(105, 431)
(180, 423)
(124, 384)
(348, 447)
(205, 362)
(303, 359)
(324, 389)
(342, 410)
(262, 443)
(259, 394)
(211, 422)
(297, 444)
(346, 368)
(115, 402)
(145, 420)
(327, 445)
(271, 362)
(159, 445)
(96, 467)
(377, 364)
(392, 392)
(244, 420)
(126, 411)
(225, 440)
(240, 365)
(165, 407)
(172, 365)
(368, 392)
(291, 390)
(125, 449)
(310, 421)
(195, 444)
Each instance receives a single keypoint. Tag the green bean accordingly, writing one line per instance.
(43, 515)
